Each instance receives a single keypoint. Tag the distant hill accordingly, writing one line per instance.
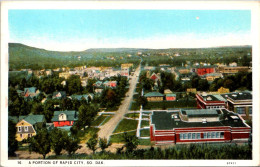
(22, 56)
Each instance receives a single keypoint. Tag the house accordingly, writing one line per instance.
(233, 64)
(154, 96)
(31, 92)
(170, 97)
(197, 126)
(155, 77)
(111, 84)
(64, 118)
(192, 90)
(125, 72)
(208, 101)
(85, 96)
(27, 126)
(233, 70)
(240, 103)
(98, 84)
(223, 90)
(212, 76)
(65, 75)
(202, 70)
(167, 91)
(59, 95)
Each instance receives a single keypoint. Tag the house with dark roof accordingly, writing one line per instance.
(241, 103)
(170, 97)
(64, 118)
(59, 95)
(198, 126)
(154, 96)
(85, 96)
(31, 92)
(27, 125)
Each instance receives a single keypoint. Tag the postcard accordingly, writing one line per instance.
(127, 83)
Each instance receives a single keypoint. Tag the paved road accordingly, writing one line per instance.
(107, 129)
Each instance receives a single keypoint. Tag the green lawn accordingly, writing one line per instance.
(146, 142)
(134, 106)
(99, 120)
(106, 120)
(85, 135)
(145, 133)
(146, 116)
(118, 138)
(144, 123)
(126, 125)
(132, 115)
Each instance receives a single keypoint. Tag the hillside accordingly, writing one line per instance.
(22, 56)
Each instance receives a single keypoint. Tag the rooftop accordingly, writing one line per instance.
(153, 94)
(238, 96)
(164, 120)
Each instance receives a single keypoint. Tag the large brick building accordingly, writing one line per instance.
(198, 126)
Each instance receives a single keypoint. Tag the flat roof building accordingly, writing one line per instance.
(198, 126)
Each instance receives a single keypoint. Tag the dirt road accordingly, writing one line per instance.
(107, 129)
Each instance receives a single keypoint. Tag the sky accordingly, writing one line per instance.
(77, 30)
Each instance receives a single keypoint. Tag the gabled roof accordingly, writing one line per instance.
(33, 119)
(170, 95)
(71, 115)
(63, 93)
(153, 94)
(79, 97)
(30, 90)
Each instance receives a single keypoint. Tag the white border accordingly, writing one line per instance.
(254, 6)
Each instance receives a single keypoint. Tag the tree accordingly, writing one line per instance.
(58, 138)
(103, 144)
(203, 85)
(86, 115)
(73, 85)
(131, 142)
(71, 144)
(41, 143)
(142, 101)
(92, 143)
(37, 108)
(12, 142)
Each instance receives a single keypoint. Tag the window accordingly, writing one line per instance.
(198, 136)
(189, 135)
(217, 134)
(213, 135)
(193, 135)
(181, 136)
(208, 135)
(26, 128)
(241, 110)
(19, 128)
(204, 135)
(250, 110)
(222, 135)
(185, 136)
(21, 135)
(29, 135)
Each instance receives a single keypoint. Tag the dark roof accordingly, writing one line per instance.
(153, 94)
(201, 113)
(71, 115)
(163, 120)
(31, 89)
(240, 96)
(63, 94)
(33, 119)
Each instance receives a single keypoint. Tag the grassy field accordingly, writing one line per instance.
(106, 120)
(145, 133)
(85, 135)
(134, 106)
(132, 115)
(144, 123)
(118, 138)
(126, 125)
(145, 142)
(99, 120)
